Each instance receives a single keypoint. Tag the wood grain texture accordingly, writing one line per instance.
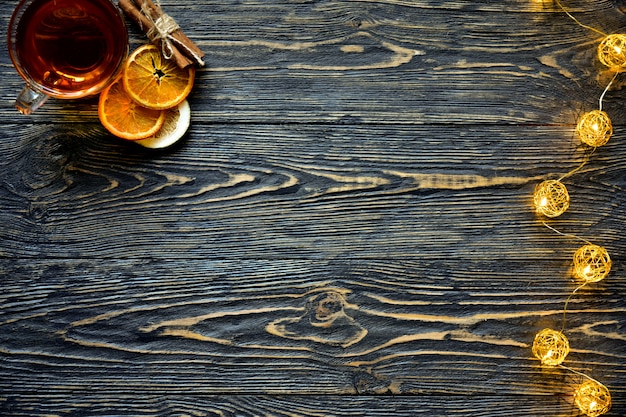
(385, 62)
(345, 230)
(340, 191)
(260, 323)
(305, 406)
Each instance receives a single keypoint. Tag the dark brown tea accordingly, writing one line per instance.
(71, 48)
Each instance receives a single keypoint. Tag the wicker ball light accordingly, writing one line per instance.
(550, 347)
(594, 128)
(551, 198)
(592, 398)
(612, 52)
(592, 263)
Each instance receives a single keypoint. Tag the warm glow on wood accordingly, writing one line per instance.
(592, 263)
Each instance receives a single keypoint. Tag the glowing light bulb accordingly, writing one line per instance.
(610, 51)
(595, 128)
(592, 263)
(592, 398)
(551, 198)
(550, 347)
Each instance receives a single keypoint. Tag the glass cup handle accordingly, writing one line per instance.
(30, 100)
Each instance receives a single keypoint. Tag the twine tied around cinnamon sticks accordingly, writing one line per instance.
(163, 31)
(163, 27)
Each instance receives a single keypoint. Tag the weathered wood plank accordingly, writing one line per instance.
(287, 406)
(382, 62)
(336, 327)
(348, 217)
(305, 192)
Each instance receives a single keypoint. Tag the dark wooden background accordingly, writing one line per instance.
(346, 229)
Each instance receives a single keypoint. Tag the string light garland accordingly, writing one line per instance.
(551, 198)
(591, 262)
(592, 398)
(612, 52)
(550, 347)
(594, 128)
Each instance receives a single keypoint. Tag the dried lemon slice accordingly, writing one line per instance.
(177, 121)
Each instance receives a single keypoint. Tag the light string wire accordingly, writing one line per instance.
(578, 22)
(551, 200)
(600, 102)
(577, 288)
(608, 86)
(578, 168)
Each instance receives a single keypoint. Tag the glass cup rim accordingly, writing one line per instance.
(18, 12)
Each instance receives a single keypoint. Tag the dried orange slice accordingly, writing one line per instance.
(123, 117)
(176, 124)
(155, 82)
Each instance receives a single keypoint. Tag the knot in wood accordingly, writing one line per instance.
(326, 306)
(324, 320)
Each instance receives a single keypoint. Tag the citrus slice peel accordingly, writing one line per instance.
(155, 82)
(176, 123)
(123, 117)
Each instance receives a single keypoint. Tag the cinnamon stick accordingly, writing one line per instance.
(186, 45)
(182, 48)
(146, 25)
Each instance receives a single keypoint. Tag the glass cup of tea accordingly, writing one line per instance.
(65, 48)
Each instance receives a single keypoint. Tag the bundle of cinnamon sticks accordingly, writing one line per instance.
(163, 31)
